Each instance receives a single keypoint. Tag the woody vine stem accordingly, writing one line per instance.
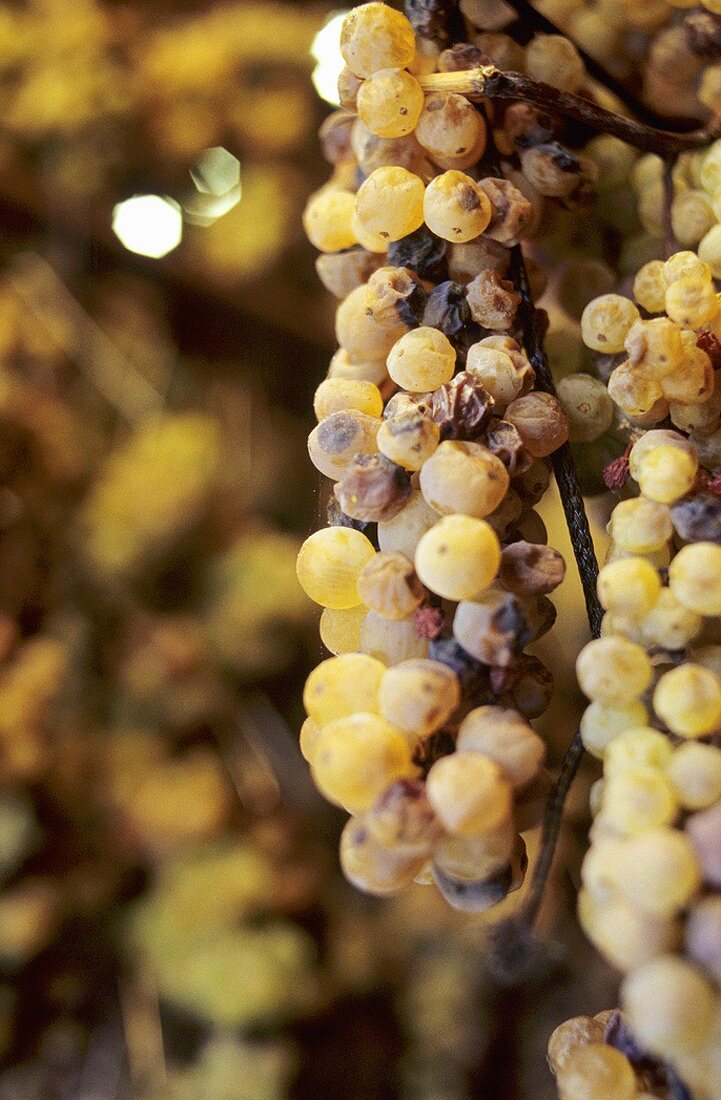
(489, 82)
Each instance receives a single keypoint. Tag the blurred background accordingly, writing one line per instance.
(173, 924)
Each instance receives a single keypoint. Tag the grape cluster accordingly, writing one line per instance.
(388, 122)
(676, 49)
(696, 203)
(673, 47)
(433, 573)
(694, 207)
(673, 51)
(662, 366)
(650, 898)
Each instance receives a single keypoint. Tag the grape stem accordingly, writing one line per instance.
(551, 827)
(670, 244)
(510, 953)
(563, 464)
(676, 1088)
(511, 939)
(489, 82)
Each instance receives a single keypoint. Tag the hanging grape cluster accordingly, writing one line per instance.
(438, 428)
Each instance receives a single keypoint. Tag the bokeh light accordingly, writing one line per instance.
(202, 209)
(326, 52)
(149, 225)
(216, 172)
(218, 188)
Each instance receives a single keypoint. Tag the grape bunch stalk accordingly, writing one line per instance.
(457, 154)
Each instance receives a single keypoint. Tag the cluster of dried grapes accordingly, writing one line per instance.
(650, 899)
(677, 48)
(659, 367)
(672, 46)
(433, 573)
(696, 207)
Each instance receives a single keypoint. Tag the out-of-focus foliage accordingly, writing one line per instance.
(141, 600)
(110, 100)
(187, 931)
(232, 1069)
(198, 76)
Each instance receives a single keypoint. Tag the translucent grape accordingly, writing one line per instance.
(455, 207)
(688, 700)
(597, 1072)
(390, 103)
(342, 686)
(375, 37)
(329, 564)
(389, 204)
(613, 670)
(357, 757)
(419, 696)
(422, 360)
(371, 866)
(459, 557)
(469, 794)
(670, 1005)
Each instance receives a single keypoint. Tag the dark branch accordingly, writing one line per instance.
(552, 818)
(563, 464)
(677, 1090)
(670, 244)
(488, 82)
(513, 949)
